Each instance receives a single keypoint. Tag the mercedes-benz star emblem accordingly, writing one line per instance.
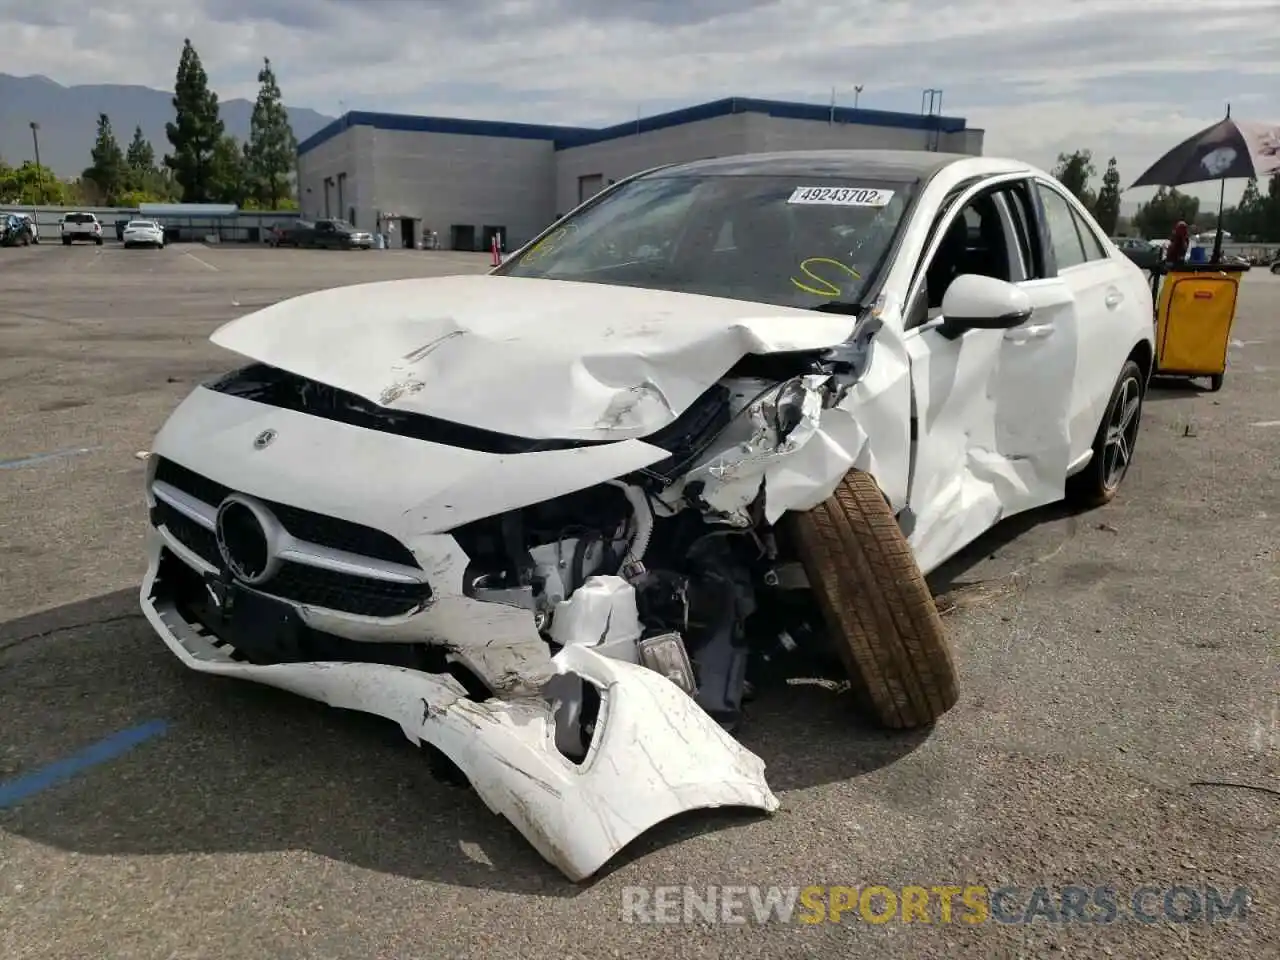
(263, 439)
(249, 539)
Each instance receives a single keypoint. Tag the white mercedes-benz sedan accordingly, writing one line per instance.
(143, 233)
(713, 426)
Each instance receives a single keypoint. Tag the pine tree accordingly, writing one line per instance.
(272, 149)
(197, 129)
(107, 171)
(141, 156)
(1074, 171)
(1106, 209)
(228, 183)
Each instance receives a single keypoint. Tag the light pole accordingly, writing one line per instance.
(35, 141)
(934, 98)
(857, 92)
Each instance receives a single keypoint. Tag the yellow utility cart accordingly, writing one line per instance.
(1194, 314)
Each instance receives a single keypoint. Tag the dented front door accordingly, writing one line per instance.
(990, 409)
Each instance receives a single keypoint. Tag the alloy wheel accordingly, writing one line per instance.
(1122, 432)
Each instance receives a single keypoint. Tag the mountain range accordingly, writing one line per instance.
(68, 118)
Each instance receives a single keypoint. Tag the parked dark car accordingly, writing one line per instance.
(1144, 254)
(289, 233)
(339, 235)
(331, 233)
(17, 229)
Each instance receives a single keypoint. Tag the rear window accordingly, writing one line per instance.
(80, 218)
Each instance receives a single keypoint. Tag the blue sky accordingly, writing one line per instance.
(1040, 76)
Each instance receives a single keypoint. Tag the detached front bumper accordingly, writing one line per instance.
(654, 753)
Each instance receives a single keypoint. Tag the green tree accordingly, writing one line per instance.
(1106, 208)
(196, 131)
(107, 171)
(228, 182)
(1247, 219)
(141, 156)
(1075, 171)
(1269, 225)
(29, 185)
(1155, 219)
(272, 149)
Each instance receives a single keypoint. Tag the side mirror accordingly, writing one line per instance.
(975, 302)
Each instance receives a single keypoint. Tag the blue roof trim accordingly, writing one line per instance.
(567, 137)
(455, 125)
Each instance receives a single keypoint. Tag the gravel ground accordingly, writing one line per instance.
(1109, 662)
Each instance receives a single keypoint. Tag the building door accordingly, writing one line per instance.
(462, 236)
(589, 186)
(407, 232)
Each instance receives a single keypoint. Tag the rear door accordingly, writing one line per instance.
(990, 406)
(1103, 294)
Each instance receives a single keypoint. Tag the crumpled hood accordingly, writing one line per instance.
(543, 359)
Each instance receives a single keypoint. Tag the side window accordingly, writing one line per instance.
(973, 239)
(1067, 247)
(1093, 248)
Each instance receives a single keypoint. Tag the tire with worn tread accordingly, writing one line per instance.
(877, 606)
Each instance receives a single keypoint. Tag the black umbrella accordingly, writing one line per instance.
(1228, 150)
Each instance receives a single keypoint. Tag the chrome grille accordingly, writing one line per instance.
(331, 563)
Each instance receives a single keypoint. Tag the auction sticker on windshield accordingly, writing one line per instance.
(842, 196)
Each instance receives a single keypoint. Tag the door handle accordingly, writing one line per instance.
(1036, 331)
(1114, 299)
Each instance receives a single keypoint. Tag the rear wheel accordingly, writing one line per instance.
(1114, 443)
(1215, 382)
(876, 604)
(66, 241)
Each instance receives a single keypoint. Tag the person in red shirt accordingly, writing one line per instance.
(1179, 242)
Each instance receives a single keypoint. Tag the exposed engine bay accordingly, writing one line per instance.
(566, 587)
(658, 575)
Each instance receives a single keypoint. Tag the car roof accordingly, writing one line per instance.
(899, 165)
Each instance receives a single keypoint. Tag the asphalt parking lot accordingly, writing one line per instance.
(1112, 664)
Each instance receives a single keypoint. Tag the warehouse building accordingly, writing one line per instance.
(466, 180)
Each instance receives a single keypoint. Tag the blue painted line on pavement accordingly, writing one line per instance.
(13, 792)
(44, 457)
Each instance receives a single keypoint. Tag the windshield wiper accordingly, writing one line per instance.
(846, 307)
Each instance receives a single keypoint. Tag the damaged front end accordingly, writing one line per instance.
(574, 625)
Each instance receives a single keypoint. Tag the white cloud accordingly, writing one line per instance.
(1127, 81)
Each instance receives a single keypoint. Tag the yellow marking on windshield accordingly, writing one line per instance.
(549, 243)
(828, 289)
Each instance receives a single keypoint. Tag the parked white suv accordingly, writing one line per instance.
(81, 226)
